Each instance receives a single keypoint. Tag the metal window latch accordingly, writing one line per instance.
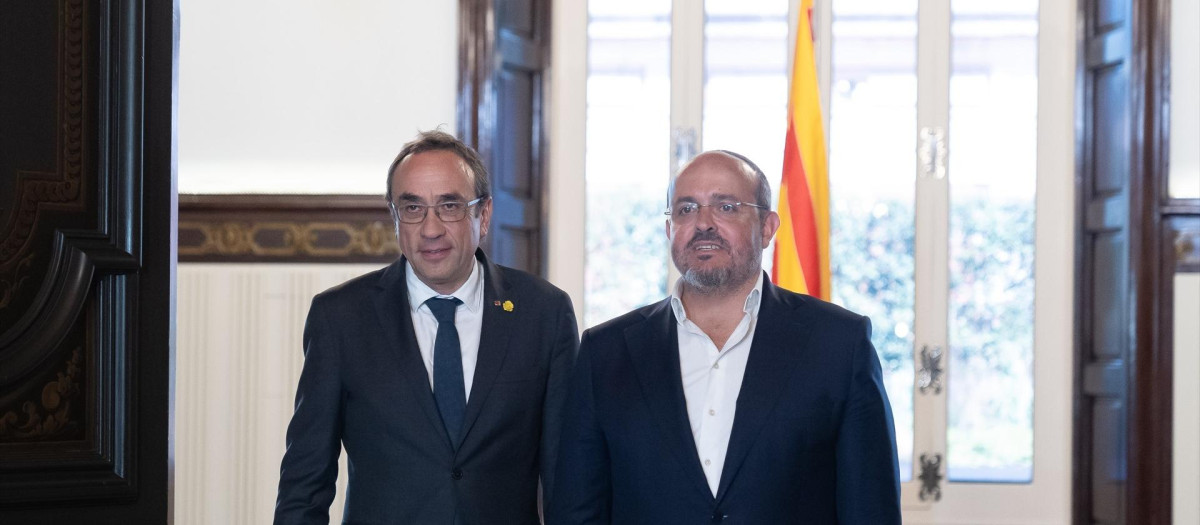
(932, 152)
(930, 375)
(684, 142)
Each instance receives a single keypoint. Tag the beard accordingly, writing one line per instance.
(744, 267)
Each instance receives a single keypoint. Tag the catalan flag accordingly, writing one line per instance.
(802, 242)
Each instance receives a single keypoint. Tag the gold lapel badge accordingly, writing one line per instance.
(508, 306)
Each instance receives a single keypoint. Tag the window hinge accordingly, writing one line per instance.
(929, 377)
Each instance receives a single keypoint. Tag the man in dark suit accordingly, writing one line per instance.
(731, 401)
(443, 375)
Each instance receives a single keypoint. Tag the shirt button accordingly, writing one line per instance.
(456, 474)
(712, 412)
(707, 462)
(716, 366)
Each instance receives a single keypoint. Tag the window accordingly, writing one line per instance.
(941, 166)
(628, 140)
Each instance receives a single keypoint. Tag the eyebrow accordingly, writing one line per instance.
(445, 197)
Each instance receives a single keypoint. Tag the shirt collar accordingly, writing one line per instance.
(753, 299)
(470, 293)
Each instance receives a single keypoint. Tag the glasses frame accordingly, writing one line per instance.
(436, 211)
(738, 205)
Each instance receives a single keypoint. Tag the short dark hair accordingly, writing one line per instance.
(438, 140)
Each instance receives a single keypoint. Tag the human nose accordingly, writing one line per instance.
(705, 217)
(432, 226)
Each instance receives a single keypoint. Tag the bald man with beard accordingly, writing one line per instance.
(732, 400)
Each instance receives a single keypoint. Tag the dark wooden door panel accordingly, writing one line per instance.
(503, 117)
(1108, 454)
(86, 260)
(1123, 391)
(1110, 282)
(1111, 149)
(1105, 337)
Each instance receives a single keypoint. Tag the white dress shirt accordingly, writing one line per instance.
(712, 379)
(468, 320)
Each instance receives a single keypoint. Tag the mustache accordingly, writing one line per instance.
(707, 237)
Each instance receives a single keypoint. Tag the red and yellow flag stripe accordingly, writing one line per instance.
(802, 242)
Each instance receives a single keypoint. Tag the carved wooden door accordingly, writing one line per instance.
(86, 260)
(501, 113)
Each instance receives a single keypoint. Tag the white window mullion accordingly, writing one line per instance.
(687, 80)
(687, 89)
(930, 257)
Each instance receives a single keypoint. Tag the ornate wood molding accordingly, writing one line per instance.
(285, 228)
(84, 322)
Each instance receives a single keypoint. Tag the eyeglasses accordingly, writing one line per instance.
(449, 211)
(688, 211)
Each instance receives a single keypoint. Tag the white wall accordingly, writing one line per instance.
(1184, 181)
(1185, 476)
(309, 96)
(279, 96)
(238, 360)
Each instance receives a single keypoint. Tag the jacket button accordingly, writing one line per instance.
(718, 517)
(456, 474)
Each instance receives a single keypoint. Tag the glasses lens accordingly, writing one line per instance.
(412, 213)
(451, 211)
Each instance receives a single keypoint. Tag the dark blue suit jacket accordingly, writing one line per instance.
(812, 439)
(365, 387)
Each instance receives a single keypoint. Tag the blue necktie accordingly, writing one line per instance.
(448, 388)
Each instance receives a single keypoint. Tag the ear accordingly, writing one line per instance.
(485, 217)
(395, 220)
(667, 224)
(769, 226)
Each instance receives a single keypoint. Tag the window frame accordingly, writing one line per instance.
(1046, 499)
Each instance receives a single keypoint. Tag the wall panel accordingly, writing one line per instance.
(239, 360)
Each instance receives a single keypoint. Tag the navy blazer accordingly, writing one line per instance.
(812, 439)
(365, 387)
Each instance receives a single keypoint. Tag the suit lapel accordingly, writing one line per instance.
(778, 335)
(654, 350)
(391, 304)
(493, 344)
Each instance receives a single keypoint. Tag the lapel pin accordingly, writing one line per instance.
(508, 306)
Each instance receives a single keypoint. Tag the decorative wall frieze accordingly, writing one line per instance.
(285, 228)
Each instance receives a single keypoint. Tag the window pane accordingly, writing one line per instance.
(872, 167)
(993, 170)
(627, 163)
(745, 79)
(746, 82)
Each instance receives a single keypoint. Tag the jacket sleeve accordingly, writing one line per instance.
(583, 490)
(308, 474)
(566, 347)
(868, 476)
